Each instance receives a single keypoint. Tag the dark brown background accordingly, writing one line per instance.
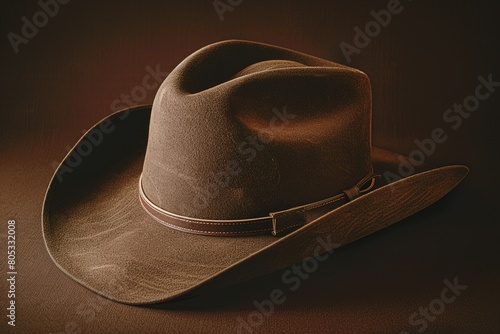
(429, 57)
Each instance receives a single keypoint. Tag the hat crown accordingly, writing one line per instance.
(241, 129)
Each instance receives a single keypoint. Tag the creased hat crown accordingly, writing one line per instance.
(241, 129)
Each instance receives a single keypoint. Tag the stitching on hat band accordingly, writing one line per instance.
(278, 223)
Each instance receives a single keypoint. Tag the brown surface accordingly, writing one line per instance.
(429, 57)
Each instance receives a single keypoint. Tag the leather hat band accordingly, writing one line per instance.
(277, 223)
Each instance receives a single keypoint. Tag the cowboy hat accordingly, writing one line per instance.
(251, 158)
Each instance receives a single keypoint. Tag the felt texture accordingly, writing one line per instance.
(219, 100)
(97, 232)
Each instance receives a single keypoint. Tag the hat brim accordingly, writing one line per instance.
(96, 231)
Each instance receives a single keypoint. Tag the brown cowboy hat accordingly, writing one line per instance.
(251, 158)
